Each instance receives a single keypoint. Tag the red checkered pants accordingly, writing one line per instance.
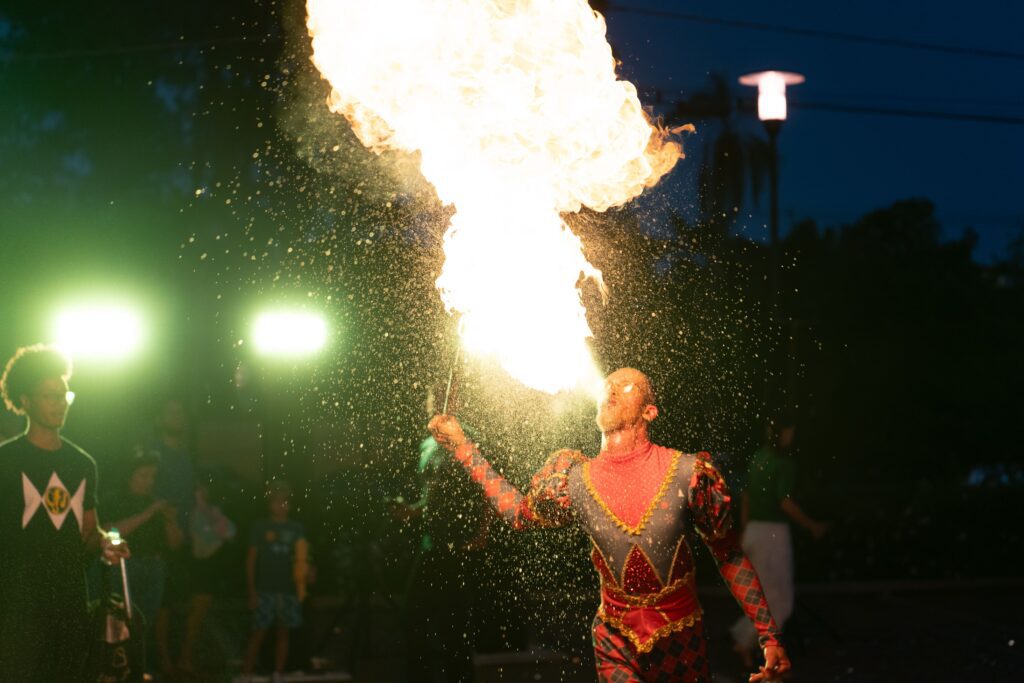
(679, 657)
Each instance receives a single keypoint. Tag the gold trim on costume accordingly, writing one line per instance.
(541, 519)
(607, 564)
(638, 529)
(615, 588)
(647, 559)
(686, 622)
(715, 475)
(574, 456)
(675, 557)
(649, 599)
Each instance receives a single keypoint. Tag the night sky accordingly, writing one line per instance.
(838, 165)
(99, 113)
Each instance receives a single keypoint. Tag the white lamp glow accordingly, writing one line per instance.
(771, 92)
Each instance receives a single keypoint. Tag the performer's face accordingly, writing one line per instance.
(625, 400)
(47, 406)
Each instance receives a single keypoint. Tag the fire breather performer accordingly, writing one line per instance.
(640, 503)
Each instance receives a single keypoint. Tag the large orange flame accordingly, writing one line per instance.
(516, 112)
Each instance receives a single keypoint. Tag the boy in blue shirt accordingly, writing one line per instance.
(276, 568)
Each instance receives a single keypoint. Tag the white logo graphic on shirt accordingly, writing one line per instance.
(55, 499)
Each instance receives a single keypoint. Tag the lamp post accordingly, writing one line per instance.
(772, 109)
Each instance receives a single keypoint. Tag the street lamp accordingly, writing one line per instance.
(771, 109)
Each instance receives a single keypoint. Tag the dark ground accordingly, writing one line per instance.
(870, 632)
(885, 633)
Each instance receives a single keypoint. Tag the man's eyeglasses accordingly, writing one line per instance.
(67, 397)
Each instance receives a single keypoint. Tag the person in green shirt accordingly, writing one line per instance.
(767, 509)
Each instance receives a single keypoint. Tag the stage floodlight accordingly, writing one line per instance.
(98, 331)
(289, 333)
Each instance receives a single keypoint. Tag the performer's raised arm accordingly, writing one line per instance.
(710, 504)
(546, 504)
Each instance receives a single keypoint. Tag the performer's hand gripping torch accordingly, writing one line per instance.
(114, 536)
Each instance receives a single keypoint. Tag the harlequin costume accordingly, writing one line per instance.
(641, 510)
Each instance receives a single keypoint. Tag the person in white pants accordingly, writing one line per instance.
(767, 509)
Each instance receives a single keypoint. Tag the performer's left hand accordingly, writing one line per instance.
(447, 431)
(776, 663)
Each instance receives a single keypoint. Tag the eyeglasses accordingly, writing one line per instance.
(624, 387)
(67, 397)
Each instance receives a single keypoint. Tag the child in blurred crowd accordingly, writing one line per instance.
(209, 530)
(276, 568)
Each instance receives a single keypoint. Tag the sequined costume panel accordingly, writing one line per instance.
(650, 547)
(648, 590)
(647, 581)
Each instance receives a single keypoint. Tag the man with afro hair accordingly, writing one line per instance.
(48, 527)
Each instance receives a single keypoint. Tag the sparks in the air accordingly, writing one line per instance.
(517, 115)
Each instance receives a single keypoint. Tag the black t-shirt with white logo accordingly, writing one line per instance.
(44, 496)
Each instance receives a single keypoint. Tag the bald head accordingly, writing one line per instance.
(639, 382)
(627, 400)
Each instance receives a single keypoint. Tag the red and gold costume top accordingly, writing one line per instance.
(641, 510)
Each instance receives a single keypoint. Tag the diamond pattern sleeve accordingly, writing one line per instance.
(710, 504)
(547, 503)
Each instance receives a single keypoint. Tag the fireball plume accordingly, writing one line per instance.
(517, 115)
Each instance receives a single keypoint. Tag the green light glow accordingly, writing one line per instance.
(289, 333)
(98, 331)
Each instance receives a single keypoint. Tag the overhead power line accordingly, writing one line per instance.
(962, 50)
(686, 110)
(657, 93)
(910, 113)
(926, 99)
(712, 109)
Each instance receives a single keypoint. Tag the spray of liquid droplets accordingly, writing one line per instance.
(517, 115)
